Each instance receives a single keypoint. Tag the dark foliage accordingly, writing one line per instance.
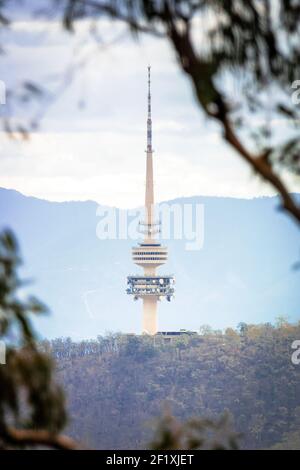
(32, 407)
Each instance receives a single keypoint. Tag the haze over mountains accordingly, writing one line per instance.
(244, 272)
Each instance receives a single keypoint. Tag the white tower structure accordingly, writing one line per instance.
(150, 254)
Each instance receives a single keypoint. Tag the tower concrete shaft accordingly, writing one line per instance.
(149, 315)
(149, 199)
(149, 303)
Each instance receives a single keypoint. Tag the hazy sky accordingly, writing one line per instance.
(97, 151)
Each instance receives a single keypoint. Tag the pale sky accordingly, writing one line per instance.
(97, 152)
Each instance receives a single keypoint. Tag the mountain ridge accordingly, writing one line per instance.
(12, 190)
(243, 273)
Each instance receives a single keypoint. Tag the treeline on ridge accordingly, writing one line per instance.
(117, 385)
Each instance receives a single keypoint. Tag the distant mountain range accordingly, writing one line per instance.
(244, 272)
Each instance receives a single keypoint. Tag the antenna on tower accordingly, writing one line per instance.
(149, 120)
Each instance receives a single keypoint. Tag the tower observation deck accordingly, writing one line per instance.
(150, 254)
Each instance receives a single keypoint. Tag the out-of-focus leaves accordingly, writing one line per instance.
(288, 155)
(27, 388)
(33, 88)
(287, 111)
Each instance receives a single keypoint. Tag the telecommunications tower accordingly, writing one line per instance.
(150, 254)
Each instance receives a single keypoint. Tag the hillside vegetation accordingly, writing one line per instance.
(118, 384)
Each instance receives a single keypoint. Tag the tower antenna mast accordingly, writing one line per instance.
(149, 120)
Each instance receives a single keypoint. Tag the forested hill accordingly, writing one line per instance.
(117, 384)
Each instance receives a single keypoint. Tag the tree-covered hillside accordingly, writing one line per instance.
(116, 385)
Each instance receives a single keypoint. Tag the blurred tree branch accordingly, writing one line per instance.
(218, 110)
(24, 437)
(175, 18)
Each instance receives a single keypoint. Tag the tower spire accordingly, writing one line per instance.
(149, 120)
(149, 194)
